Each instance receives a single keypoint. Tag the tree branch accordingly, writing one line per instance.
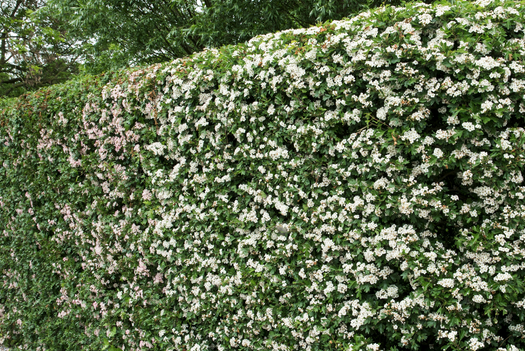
(17, 6)
(10, 81)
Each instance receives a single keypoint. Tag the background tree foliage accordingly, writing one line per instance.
(34, 48)
(118, 33)
(46, 41)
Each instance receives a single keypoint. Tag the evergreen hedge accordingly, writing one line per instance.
(352, 186)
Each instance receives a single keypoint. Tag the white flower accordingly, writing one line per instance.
(483, 3)
(392, 291)
(425, 19)
(156, 148)
(479, 299)
(411, 136)
(440, 10)
(233, 342)
(329, 288)
(182, 127)
(468, 126)
(447, 283)
(381, 113)
(474, 344)
(502, 277)
(438, 153)
(487, 63)
(355, 115)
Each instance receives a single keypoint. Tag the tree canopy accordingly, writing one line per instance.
(117, 33)
(34, 48)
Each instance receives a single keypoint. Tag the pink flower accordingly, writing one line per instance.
(142, 269)
(146, 195)
(158, 278)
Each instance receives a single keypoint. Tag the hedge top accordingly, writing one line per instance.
(310, 189)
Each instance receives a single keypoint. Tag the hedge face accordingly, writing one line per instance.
(356, 185)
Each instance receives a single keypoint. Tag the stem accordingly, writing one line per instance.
(504, 341)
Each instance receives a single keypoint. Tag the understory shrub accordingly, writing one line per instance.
(352, 186)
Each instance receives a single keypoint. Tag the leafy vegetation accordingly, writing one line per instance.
(351, 186)
(34, 50)
(44, 42)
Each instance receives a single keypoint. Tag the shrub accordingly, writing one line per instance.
(351, 186)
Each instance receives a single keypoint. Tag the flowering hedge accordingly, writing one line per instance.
(352, 186)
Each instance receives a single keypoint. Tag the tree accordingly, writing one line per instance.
(119, 33)
(34, 51)
(235, 21)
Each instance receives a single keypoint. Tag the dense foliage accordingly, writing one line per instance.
(351, 186)
(44, 42)
(120, 33)
(34, 51)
